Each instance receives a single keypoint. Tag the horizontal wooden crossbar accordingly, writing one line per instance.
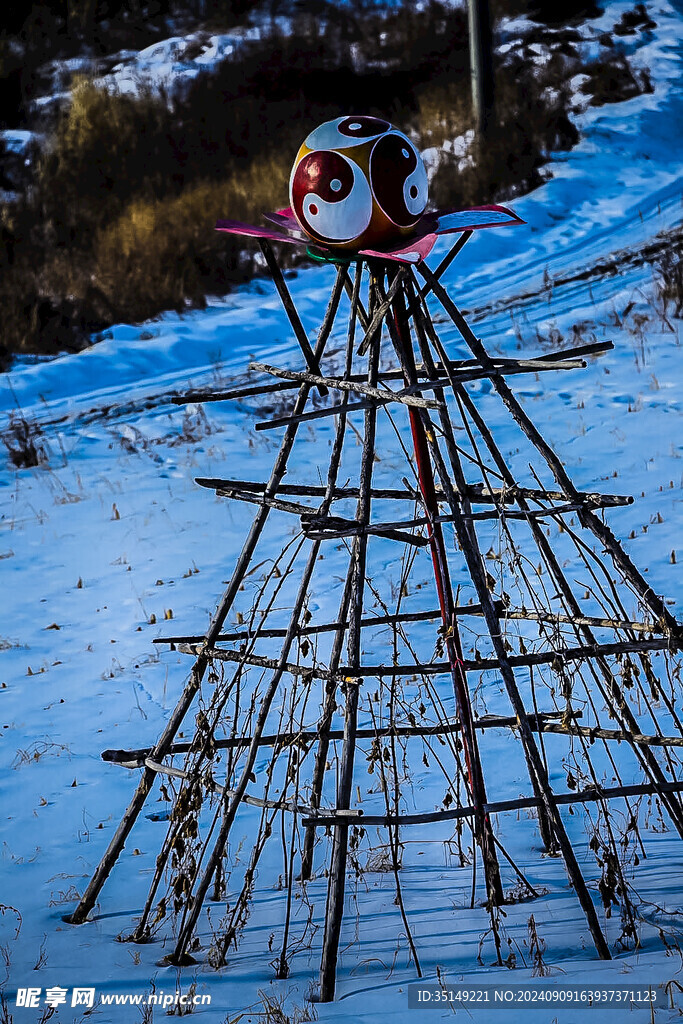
(593, 733)
(434, 668)
(516, 614)
(136, 758)
(317, 527)
(328, 627)
(584, 796)
(318, 414)
(461, 377)
(333, 527)
(477, 494)
(339, 384)
(295, 508)
(302, 490)
(539, 723)
(308, 512)
(517, 660)
(456, 367)
(330, 816)
(326, 816)
(279, 805)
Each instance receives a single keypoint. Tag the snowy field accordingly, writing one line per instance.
(111, 544)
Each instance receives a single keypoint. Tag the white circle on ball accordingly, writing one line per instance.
(335, 184)
(355, 126)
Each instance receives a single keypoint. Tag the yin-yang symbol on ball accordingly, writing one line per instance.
(331, 196)
(358, 182)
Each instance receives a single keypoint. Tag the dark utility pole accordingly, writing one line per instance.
(481, 63)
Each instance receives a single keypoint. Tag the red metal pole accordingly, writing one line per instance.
(453, 644)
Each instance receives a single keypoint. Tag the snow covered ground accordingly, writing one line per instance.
(112, 537)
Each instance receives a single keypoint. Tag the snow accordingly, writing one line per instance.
(175, 60)
(459, 146)
(112, 535)
(16, 139)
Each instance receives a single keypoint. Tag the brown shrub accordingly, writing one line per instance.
(118, 224)
(165, 254)
(107, 148)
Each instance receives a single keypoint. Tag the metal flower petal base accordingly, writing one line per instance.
(474, 595)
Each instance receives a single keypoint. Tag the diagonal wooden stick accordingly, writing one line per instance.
(599, 529)
(588, 519)
(89, 898)
(468, 541)
(334, 909)
(290, 308)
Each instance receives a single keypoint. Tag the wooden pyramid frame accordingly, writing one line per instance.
(594, 650)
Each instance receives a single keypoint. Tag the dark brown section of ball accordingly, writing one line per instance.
(391, 161)
(362, 127)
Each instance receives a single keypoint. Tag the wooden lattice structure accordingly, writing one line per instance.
(569, 649)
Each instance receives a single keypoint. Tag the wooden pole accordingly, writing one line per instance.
(478, 494)
(329, 703)
(538, 722)
(564, 358)
(465, 522)
(232, 802)
(383, 394)
(584, 625)
(582, 796)
(539, 776)
(334, 909)
(506, 612)
(481, 64)
(290, 309)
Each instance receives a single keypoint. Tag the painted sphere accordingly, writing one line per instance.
(357, 183)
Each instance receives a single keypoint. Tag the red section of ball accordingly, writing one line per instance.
(315, 175)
